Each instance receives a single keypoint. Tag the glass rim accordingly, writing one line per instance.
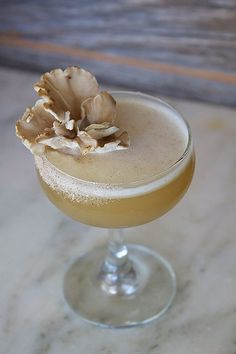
(149, 179)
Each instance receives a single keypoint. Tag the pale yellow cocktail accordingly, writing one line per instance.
(111, 162)
(129, 187)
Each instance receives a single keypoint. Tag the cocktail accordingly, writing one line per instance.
(113, 178)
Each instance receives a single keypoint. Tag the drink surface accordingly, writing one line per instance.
(129, 187)
(158, 139)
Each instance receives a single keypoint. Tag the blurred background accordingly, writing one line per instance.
(178, 48)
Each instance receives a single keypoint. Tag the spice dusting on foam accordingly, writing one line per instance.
(70, 187)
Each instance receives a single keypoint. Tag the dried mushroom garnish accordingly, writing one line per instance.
(65, 91)
(99, 109)
(71, 116)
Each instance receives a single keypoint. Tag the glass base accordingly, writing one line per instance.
(156, 287)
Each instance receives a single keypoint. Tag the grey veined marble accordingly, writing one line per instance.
(37, 243)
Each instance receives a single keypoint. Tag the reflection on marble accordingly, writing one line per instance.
(37, 243)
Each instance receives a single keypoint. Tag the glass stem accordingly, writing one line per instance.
(117, 274)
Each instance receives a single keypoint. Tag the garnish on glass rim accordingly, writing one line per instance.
(71, 116)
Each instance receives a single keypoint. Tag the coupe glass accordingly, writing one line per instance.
(121, 285)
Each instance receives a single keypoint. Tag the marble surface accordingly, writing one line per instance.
(37, 243)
